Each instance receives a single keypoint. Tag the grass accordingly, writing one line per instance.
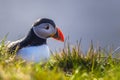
(70, 64)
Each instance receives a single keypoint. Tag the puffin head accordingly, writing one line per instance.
(46, 28)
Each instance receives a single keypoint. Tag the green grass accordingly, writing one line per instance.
(69, 64)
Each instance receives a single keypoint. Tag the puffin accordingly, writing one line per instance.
(33, 47)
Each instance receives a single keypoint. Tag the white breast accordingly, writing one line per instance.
(35, 53)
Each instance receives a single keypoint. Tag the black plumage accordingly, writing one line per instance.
(44, 20)
(30, 40)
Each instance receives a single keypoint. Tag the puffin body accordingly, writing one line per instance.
(35, 53)
(34, 46)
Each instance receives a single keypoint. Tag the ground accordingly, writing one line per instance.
(69, 64)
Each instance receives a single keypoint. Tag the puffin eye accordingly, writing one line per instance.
(47, 27)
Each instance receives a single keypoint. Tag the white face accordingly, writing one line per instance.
(44, 30)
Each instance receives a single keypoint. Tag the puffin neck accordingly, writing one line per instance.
(33, 40)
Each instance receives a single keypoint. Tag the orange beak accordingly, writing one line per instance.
(59, 35)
